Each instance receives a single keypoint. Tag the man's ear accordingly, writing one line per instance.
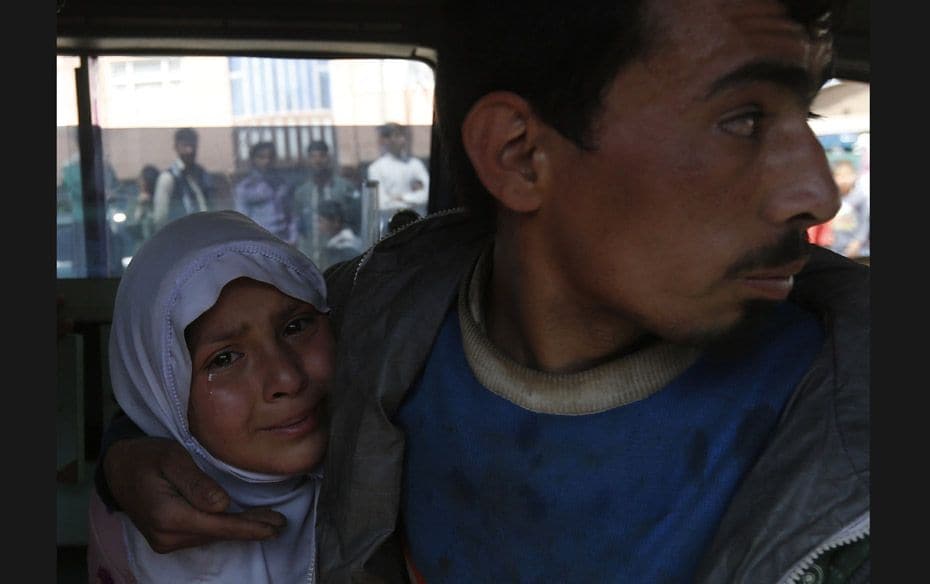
(500, 135)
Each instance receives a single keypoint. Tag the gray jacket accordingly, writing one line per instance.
(807, 493)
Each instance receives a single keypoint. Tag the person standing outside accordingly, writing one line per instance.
(185, 187)
(265, 196)
(142, 216)
(850, 226)
(71, 205)
(403, 180)
(323, 184)
(341, 242)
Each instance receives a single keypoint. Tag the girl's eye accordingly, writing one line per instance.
(223, 360)
(744, 125)
(300, 324)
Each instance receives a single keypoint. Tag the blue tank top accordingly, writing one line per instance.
(496, 493)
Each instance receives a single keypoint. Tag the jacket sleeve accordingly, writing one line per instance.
(290, 212)
(251, 191)
(240, 196)
(340, 278)
(294, 230)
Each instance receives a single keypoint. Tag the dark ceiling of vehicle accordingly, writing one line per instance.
(369, 21)
(410, 22)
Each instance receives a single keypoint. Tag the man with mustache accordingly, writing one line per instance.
(622, 362)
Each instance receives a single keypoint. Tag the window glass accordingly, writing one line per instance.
(349, 142)
(69, 215)
(842, 123)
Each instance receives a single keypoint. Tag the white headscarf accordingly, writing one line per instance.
(176, 276)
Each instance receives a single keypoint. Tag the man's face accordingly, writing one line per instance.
(694, 205)
(318, 161)
(262, 363)
(328, 227)
(186, 150)
(263, 159)
(845, 177)
(396, 143)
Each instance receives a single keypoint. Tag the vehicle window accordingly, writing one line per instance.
(320, 152)
(842, 124)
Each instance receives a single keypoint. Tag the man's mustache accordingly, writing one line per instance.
(792, 246)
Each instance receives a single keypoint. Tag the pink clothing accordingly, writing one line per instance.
(107, 558)
(821, 234)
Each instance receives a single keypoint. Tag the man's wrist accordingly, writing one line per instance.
(121, 427)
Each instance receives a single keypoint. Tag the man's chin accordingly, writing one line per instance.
(737, 338)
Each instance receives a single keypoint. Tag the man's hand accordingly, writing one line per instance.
(172, 502)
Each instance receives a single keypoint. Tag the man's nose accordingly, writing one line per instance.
(804, 191)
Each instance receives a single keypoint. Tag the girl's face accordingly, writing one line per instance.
(261, 366)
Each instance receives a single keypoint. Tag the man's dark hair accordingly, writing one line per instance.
(390, 128)
(259, 146)
(188, 135)
(318, 146)
(401, 219)
(332, 210)
(149, 175)
(560, 58)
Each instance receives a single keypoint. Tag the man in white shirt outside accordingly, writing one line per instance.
(403, 181)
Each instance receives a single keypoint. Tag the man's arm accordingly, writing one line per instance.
(386, 200)
(161, 199)
(290, 213)
(422, 174)
(121, 427)
(419, 183)
(168, 498)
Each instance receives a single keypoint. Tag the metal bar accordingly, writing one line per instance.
(92, 177)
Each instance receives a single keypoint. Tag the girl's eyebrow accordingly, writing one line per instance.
(221, 334)
(291, 307)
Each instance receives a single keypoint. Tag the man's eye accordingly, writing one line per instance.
(223, 360)
(743, 125)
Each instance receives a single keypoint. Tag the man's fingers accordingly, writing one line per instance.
(236, 525)
(265, 515)
(173, 503)
(193, 485)
(203, 528)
